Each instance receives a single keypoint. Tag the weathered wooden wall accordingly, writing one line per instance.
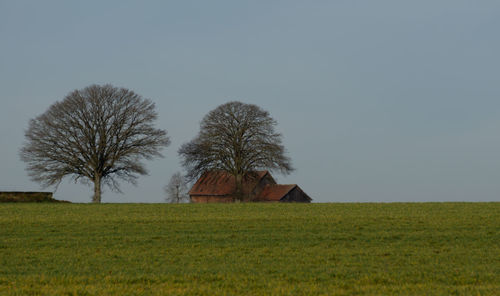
(296, 195)
(211, 199)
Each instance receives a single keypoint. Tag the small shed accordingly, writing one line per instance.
(283, 193)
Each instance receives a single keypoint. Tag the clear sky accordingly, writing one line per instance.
(376, 100)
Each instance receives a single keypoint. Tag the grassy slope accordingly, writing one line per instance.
(251, 249)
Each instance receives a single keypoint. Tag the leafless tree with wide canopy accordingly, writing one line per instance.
(97, 135)
(237, 138)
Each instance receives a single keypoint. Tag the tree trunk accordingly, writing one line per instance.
(239, 187)
(177, 195)
(97, 190)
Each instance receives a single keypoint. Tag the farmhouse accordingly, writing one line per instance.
(259, 186)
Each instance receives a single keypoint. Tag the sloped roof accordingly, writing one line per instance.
(223, 183)
(274, 192)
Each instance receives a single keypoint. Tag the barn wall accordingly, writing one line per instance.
(295, 195)
(211, 199)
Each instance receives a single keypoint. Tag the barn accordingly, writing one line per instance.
(282, 193)
(259, 186)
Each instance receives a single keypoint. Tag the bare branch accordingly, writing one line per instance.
(176, 189)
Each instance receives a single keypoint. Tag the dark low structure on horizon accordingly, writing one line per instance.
(29, 196)
(260, 186)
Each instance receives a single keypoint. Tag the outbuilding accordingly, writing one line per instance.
(259, 186)
(283, 193)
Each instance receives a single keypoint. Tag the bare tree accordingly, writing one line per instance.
(236, 138)
(95, 135)
(176, 189)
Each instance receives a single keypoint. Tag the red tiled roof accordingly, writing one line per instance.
(275, 192)
(223, 183)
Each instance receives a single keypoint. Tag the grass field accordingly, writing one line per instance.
(250, 249)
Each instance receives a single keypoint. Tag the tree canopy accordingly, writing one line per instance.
(97, 135)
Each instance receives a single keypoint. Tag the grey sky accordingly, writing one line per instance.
(376, 100)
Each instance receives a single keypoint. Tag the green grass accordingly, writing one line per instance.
(250, 249)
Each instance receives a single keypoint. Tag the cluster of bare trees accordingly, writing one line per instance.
(101, 134)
